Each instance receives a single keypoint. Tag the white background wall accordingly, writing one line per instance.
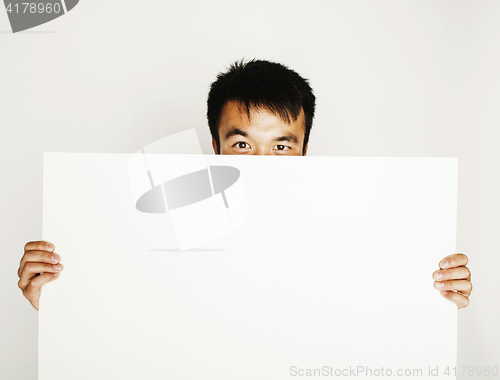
(392, 78)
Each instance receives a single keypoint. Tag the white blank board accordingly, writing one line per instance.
(332, 270)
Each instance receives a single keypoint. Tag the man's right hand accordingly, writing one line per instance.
(39, 265)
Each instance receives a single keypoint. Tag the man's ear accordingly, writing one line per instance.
(214, 145)
(305, 149)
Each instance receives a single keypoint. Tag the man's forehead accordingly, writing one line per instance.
(250, 133)
(251, 110)
(236, 114)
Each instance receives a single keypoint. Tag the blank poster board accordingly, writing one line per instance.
(328, 270)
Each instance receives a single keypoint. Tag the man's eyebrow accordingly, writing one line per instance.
(289, 137)
(234, 132)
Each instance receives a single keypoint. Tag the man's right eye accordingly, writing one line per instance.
(241, 145)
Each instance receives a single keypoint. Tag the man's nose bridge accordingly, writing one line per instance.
(262, 151)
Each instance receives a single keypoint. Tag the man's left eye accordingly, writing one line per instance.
(282, 147)
(241, 145)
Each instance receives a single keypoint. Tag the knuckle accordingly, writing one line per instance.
(29, 266)
(467, 271)
(466, 302)
(465, 258)
(36, 246)
(34, 283)
(27, 291)
(462, 285)
(445, 274)
(465, 286)
(25, 258)
(441, 275)
(27, 245)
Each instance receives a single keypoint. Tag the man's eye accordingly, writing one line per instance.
(241, 145)
(282, 147)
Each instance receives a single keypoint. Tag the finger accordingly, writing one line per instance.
(451, 274)
(463, 286)
(459, 299)
(39, 246)
(455, 260)
(31, 269)
(38, 256)
(32, 290)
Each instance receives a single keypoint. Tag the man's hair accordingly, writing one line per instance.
(259, 84)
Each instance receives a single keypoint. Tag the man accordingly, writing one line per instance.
(260, 108)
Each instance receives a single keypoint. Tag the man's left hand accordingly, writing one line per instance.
(453, 279)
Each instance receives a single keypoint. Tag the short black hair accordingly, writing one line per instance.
(261, 84)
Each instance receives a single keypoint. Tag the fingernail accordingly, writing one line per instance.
(443, 292)
(58, 267)
(438, 275)
(445, 264)
(440, 285)
(55, 258)
(50, 247)
(56, 274)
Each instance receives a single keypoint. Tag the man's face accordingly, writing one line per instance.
(263, 134)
